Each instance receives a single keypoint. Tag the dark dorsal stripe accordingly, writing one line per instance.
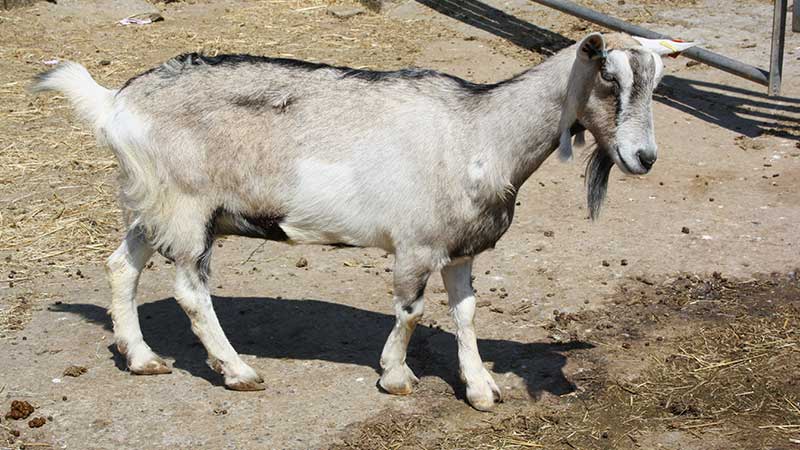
(644, 72)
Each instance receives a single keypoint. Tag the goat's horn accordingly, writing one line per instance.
(664, 46)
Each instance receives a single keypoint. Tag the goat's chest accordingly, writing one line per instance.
(483, 231)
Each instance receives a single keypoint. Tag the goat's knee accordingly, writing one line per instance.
(409, 314)
(397, 378)
(410, 277)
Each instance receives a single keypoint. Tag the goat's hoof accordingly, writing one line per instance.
(155, 366)
(484, 394)
(398, 380)
(252, 385)
(248, 381)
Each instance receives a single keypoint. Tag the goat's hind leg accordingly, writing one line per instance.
(123, 268)
(193, 295)
(191, 291)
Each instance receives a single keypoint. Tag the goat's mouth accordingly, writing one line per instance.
(624, 166)
(621, 161)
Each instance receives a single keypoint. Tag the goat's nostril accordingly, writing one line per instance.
(647, 159)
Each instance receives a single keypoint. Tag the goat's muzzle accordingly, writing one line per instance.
(646, 159)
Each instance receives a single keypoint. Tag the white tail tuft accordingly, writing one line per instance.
(115, 126)
(91, 101)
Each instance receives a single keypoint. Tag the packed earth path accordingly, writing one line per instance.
(671, 322)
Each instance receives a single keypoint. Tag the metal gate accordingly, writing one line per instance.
(771, 79)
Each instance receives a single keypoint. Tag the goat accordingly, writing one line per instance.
(419, 163)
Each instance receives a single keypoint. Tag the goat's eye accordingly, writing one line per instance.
(608, 77)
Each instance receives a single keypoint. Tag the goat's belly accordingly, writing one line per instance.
(285, 229)
(308, 234)
(346, 203)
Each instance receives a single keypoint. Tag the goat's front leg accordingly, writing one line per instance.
(482, 392)
(191, 292)
(410, 277)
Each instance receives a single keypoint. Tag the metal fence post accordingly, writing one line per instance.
(796, 16)
(778, 37)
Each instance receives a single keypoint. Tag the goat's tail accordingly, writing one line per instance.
(91, 101)
(115, 126)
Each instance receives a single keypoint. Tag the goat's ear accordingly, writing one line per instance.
(664, 46)
(592, 48)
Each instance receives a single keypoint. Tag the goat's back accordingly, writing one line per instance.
(301, 140)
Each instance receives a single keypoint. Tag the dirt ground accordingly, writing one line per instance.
(671, 322)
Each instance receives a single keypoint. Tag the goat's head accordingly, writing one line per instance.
(611, 95)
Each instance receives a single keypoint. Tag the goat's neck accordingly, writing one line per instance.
(518, 123)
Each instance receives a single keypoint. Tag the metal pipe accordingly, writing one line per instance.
(796, 16)
(716, 60)
(776, 55)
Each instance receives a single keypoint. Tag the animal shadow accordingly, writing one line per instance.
(492, 20)
(744, 111)
(319, 330)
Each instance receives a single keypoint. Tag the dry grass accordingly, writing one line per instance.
(15, 316)
(718, 361)
(733, 367)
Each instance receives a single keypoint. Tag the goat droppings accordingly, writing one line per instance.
(37, 422)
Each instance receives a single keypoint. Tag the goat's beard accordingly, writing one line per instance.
(598, 166)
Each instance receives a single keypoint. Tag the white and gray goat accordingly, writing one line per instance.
(421, 164)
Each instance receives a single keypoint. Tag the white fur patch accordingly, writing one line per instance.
(328, 207)
(299, 235)
(323, 189)
(476, 169)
